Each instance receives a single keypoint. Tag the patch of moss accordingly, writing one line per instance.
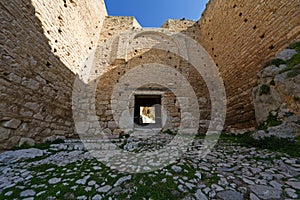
(295, 46)
(282, 145)
(293, 64)
(200, 136)
(25, 145)
(124, 136)
(292, 74)
(45, 145)
(272, 120)
(295, 59)
(42, 168)
(264, 89)
(168, 131)
(15, 193)
(298, 193)
(150, 186)
(277, 62)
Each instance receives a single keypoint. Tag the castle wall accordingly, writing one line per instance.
(110, 66)
(36, 81)
(72, 28)
(241, 36)
(45, 43)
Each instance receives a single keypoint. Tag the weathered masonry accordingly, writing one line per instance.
(45, 45)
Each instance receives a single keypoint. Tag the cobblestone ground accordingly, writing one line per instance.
(230, 172)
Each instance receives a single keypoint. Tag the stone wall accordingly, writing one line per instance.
(241, 36)
(106, 49)
(72, 28)
(109, 80)
(110, 65)
(40, 50)
(45, 43)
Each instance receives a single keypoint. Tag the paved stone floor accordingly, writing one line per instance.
(229, 172)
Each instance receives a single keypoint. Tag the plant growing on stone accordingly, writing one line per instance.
(294, 72)
(168, 131)
(272, 120)
(277, 62)
(294, 60)
(264, 89)
(272, 82)
(293, 64)
(295, 46)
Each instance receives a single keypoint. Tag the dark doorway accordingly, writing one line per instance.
(147, 111)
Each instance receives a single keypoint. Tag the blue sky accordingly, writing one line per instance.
(153, 13)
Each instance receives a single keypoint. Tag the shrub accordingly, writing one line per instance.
(264, 89)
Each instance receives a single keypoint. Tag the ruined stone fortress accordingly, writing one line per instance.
(46, 46)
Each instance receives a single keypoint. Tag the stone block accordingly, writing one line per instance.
(58, 132)
(26, 113)
(286, 54)
(27, 141)
(107, 131)
(32, 106)
(24, 127)
(118, 132)
(38, 116)
(31, 84)
(13, 123)
(13, 141)
(4, 133)
(112, 125)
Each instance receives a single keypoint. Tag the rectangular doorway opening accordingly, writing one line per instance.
(147, 111)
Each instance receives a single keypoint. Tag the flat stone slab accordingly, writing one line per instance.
(229, 195)
(9, 157)
(294, 184)
(104, 189)
(27, 193)
(266, 192)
